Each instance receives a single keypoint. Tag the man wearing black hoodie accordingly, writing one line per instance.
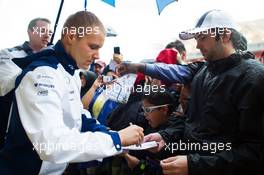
(225, 110)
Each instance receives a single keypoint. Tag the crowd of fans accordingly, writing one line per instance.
(217, 101)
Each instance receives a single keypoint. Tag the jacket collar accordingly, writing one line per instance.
(222, 65)
(65, 59)
(26, 48)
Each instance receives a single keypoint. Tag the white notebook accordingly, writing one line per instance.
(145, 145)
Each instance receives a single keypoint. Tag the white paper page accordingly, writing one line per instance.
(143, 146)
(121, 88)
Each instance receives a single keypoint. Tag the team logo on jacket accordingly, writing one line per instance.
(39, 76)
(43, 93)
(4, 58)
(44, 85)
(71, 95)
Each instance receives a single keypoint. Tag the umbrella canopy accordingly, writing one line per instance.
(161, 4)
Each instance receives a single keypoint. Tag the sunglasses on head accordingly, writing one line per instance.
(152, 108)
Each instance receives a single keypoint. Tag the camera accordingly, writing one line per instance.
(107, 79)
(117, 50)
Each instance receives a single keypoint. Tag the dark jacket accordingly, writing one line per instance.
(131, 112)
(149, 162)
(6, 101)
(225, 111)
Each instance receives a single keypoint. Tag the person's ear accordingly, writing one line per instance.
(70, 38)
(226, 35)
(30, 33)
(165, 109)
(183, 55)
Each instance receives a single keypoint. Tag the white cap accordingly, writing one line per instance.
(211, 19)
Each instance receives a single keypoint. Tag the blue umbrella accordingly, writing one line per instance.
(110, 2)
(161, 4)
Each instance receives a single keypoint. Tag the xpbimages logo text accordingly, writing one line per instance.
(144, 89)
(81, 31)
(197, 146)
(212, 31)
(62, 146)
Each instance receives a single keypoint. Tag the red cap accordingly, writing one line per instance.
(167, 56)
(140, 78)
